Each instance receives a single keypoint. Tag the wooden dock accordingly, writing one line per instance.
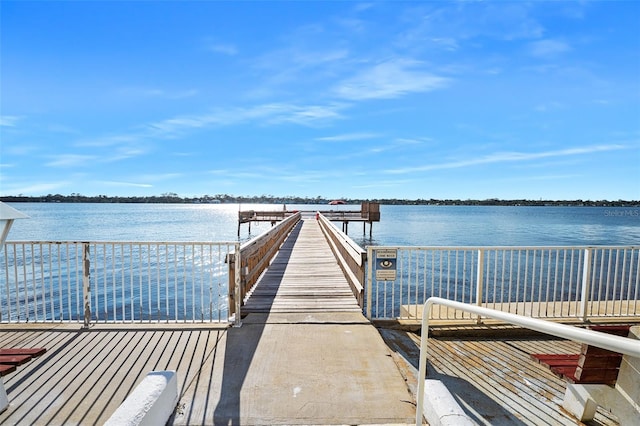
(304, 277)
(369, 212)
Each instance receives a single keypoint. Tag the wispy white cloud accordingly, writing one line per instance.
(548, 48)
(34, 188)
(154, 92)
(506, 157)
(274, 113)
(124, 184)
(390, 79)
(549, 106)
(345, 137)
(71, 160)
(159, 177)
(9, 120)
(224, 48)
(386, 183)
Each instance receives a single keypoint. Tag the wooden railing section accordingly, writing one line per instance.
(350, 256)
(255, 256)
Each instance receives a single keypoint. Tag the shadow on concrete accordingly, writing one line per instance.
(241, 343)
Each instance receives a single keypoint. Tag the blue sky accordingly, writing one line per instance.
(335, 99)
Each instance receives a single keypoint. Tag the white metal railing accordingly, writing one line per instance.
(543, 282)
(610, 342)
(114, 281)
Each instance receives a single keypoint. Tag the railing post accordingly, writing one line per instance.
(586, 284)
(86, 284)
(369, 288)
(480, 281)
(237, 289)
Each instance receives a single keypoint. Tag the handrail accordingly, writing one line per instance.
(610, 342)
(350, 256)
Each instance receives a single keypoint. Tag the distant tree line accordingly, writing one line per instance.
(171, 197)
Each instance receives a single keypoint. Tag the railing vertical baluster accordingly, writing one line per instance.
(86, 283)
(635, 296)
(424, 279)
(586, 281)
(237, 286)
(131, 284)
(17, 279)
(510, 286)
(518, 269)
(26, 282)
(370, 261)
(35, 283)
(203, 284)
(548, 283)
(70, 256)
(562, 280)
(541, 280)
(615, 281)
(166, 281)
(597, 303)
(479, 281)
(630, 278)
(455, 279)
(608, 280)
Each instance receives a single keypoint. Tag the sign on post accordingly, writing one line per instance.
(386, 264)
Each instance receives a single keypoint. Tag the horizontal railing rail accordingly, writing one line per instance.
(565, 283)
(255, 255)
(350, 256)
(91, 282)
(602, 340)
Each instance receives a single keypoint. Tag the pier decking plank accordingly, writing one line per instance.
(85, 375)
(303, 277)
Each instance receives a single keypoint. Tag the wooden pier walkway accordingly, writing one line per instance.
(303, 278)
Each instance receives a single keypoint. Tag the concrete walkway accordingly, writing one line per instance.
(304, 355)
(299, 369)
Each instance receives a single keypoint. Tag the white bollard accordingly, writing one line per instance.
(440, 408)
(151, 403)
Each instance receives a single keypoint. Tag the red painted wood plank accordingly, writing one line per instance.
(6, 369)
(14, 359)
(34, 352)
(557, 359)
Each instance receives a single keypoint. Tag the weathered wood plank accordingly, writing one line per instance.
(304, 277)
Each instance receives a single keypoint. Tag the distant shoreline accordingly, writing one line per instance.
(231, 199)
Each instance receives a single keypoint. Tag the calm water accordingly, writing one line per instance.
(400, 225)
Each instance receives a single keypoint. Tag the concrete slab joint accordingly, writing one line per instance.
(151, 403)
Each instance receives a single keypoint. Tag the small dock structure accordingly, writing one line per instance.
(369, 212)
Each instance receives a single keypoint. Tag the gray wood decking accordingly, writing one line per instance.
(304, 277)
(85, 375)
